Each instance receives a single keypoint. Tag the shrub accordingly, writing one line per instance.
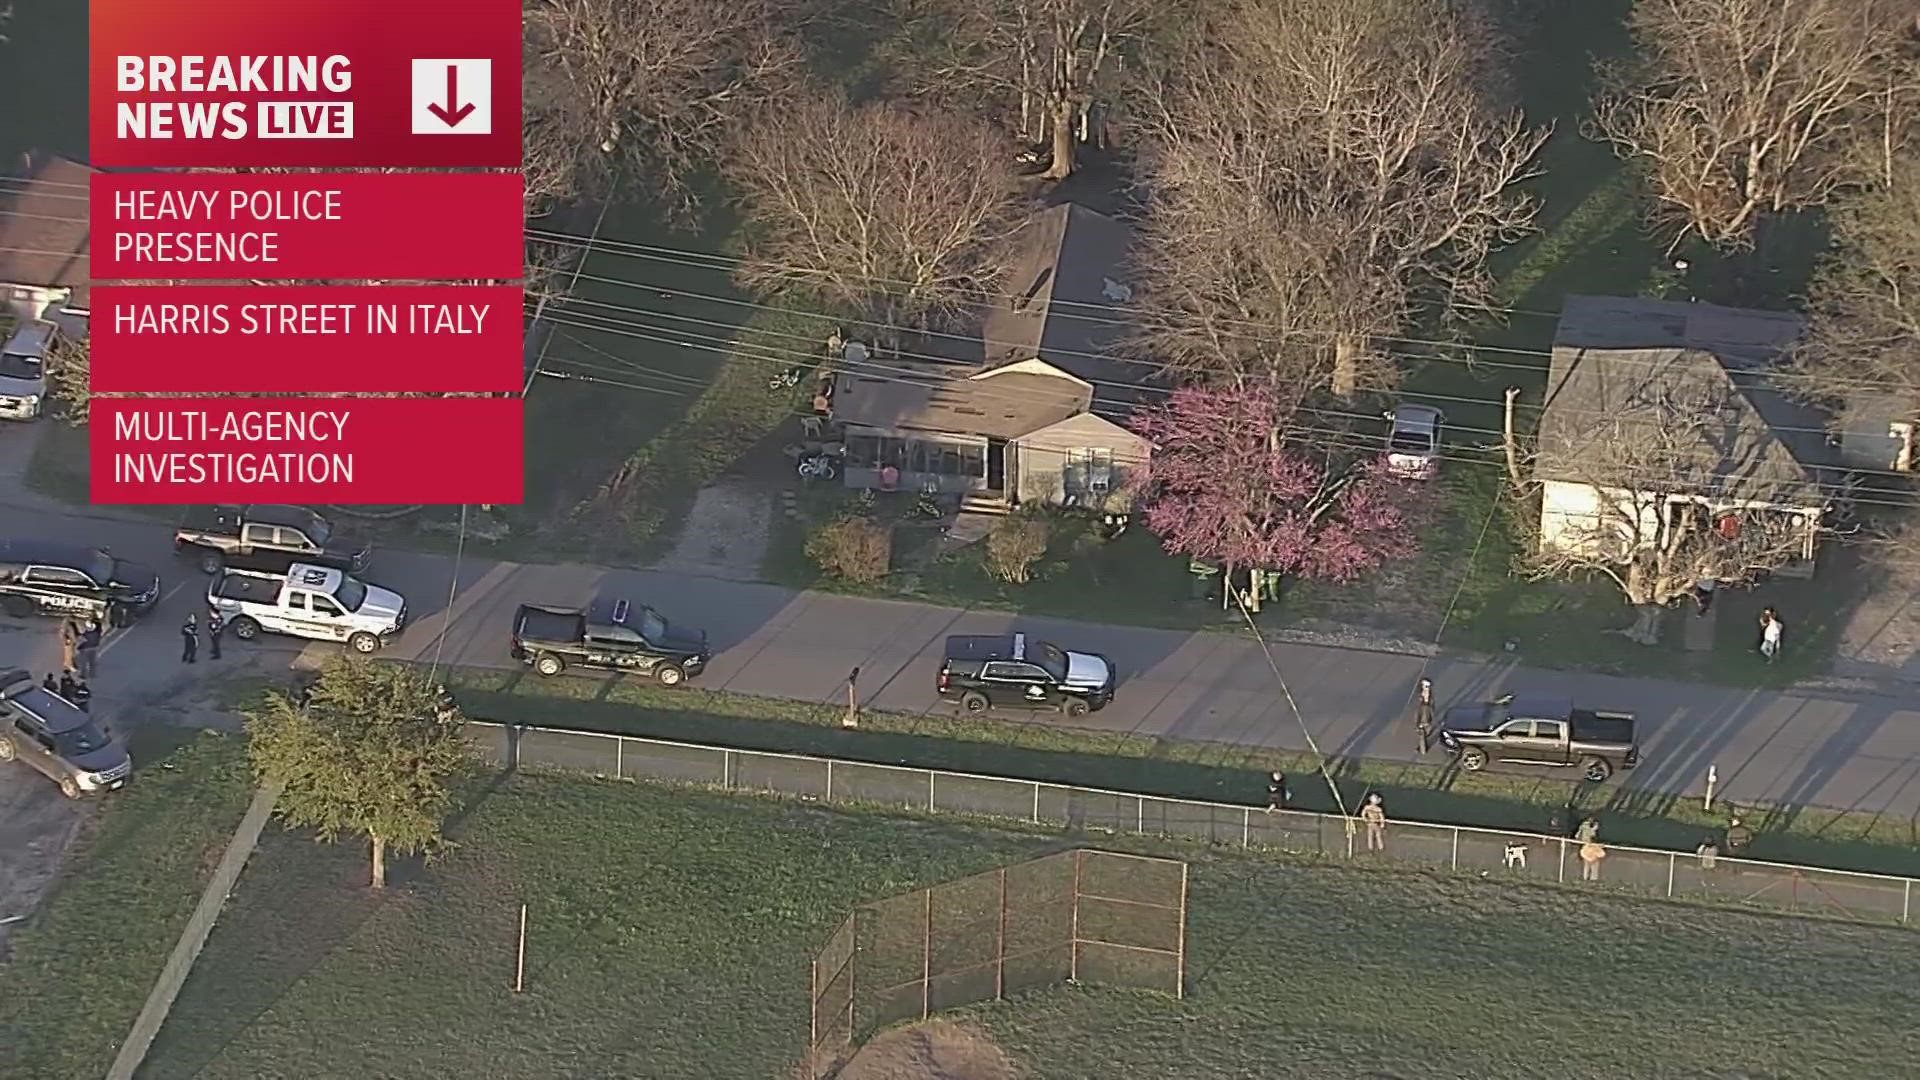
(852, 549)
(1014, 546)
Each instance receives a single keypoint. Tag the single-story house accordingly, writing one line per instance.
(1661, 406)
(44, 241)
(1037, 417)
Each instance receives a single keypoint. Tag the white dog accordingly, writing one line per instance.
(1516, 858)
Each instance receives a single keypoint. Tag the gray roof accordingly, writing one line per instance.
(1066, 300)
(1614, 357)
(1004, 406)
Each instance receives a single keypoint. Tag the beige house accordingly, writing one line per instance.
(44, 241)
(1037, 418)
(1656, 409)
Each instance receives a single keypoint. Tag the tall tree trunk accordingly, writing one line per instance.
(1060, 124)
(1646, 624)
(1346, 364)
(379, 862)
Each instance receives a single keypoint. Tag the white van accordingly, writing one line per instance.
(23, 370)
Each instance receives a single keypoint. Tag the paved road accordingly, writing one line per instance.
(1833, 750)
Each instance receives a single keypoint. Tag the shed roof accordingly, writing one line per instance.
(1615, 357)
(44, 236)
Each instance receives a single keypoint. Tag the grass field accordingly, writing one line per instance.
(670, 933)
(83, 965)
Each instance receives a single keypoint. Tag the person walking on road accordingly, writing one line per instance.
(89, 647)
(69, 644)
(189, 640)
(1770, 631)
(1423, 716)
(215, 624)
(1375, 817)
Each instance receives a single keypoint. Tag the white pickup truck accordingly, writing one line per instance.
(310, 602)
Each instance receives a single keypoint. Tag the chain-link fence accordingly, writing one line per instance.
(1875, 898)
(1083, 915)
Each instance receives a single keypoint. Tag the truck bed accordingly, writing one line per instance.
(1610, 728)
(549, 626)
(213, 520)
(249, 588)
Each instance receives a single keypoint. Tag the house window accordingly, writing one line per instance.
(863, 451)
(1089, 471)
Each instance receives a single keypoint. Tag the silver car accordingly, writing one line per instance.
(1413, 441)
(58, 739)
(23, 371)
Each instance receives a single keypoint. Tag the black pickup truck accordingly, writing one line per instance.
(610, 635)
(266, 539)
(1541, 729)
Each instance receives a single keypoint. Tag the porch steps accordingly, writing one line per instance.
(979, 504)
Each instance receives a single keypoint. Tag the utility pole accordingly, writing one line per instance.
(1511, 442)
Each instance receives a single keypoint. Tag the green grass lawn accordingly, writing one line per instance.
(84, 964)
(1179, 769)
(669, 934)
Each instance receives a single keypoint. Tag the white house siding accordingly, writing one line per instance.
(1048, 464)
(1572, 519)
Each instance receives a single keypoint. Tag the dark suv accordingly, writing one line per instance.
(1014, 671)
(48, 578)
(46, 731)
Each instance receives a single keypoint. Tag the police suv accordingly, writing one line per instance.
(47, 578)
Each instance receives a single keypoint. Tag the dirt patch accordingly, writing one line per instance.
(936, 1050)
(725, 534)
(37, 827)
(1880, 637)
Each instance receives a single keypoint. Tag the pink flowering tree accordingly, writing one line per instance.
(1224, 486)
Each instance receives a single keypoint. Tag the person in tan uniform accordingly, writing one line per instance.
(1374, 816)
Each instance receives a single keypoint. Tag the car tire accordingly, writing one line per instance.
(1473, 759)
(70, 787)
(6, 749)
(212, 562)
(1596, 770)
(670, 674)
(973, 702)
(1075, 707)
(245, 628)
(19, 607)
(364, 643)
(549, 665)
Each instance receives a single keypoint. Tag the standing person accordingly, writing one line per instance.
(89, 647)
(1423, 716)
(1703, 591)
(1375, 817)
(1589, 831)
(215, 624)
(189, 640)
(1709, 852)
(1590, 856)
(1739, 839)
(80, 696)
(1277, 794)
(69, 644)
(1770, 631)
(69, 686)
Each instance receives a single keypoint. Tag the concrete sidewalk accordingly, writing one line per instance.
(1827, 748)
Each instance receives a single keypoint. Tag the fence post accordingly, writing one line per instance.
(1180, 955)
(1139, 815)
(1456, 849)
(813, 1007)
(1246, 829)
(1563, 860)
(829, 779)
(1906, 902)
(1073, 945)
(726, 769)
(930, 776)
(619, 758)
(926, 962)
(1036, 803)
(1000, 946)
(1672, 861)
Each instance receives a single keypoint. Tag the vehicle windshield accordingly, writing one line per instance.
(651, 625)
(19, 366)
(1050, 657)
(88, 738)
(122, 572)
(98, 567)
(1411, 442)
(352, 594)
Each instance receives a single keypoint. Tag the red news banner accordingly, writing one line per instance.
(305, 450)
(337, 84)
(290, 226)
(211, 339)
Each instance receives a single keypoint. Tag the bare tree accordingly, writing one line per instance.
(1049, 70)
(893, 215)
(1672, 490)
(1744, 109)
(1319, 172)
(645, 84)
(1863, 310)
